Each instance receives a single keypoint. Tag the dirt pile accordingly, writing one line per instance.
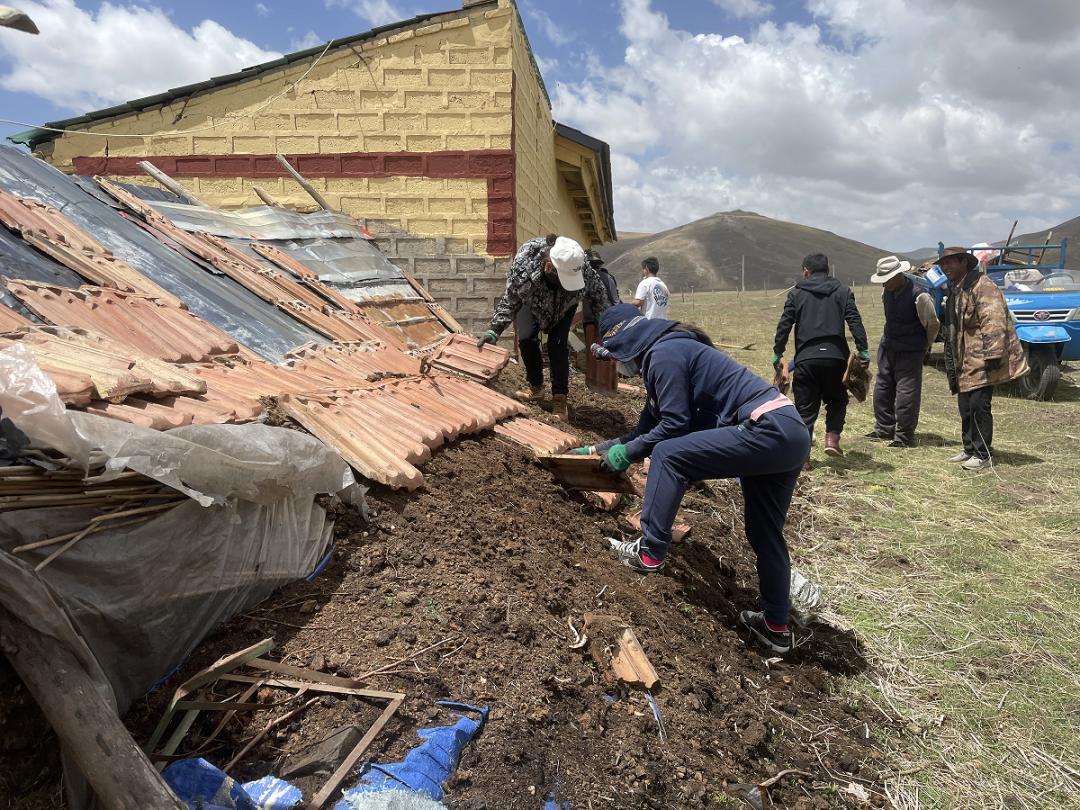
(492, 558)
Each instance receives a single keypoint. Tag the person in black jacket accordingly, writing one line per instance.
(818, 307)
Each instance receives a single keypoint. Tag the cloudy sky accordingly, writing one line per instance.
(897, 122)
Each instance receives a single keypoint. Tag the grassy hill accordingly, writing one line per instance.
(706, 254)
(1069, 229)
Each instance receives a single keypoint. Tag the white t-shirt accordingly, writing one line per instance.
(653, 294)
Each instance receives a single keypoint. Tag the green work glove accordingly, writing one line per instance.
(864, 358)
(587, 450)
(487, 337)
(775, 360)
(616, 459)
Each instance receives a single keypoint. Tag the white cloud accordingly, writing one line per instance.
(308, 40)
(745, 9)
(551, 29)
(375, 12)
(83, 61)
(262, 9)
(863, 122)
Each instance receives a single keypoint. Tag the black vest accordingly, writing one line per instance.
(904, 331)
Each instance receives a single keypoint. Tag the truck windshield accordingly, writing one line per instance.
(1057, 281)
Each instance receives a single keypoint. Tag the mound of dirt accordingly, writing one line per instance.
(492, 558)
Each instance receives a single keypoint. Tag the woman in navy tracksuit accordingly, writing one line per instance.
(707, 417)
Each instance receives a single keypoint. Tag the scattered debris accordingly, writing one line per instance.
(612, 643)
(580, 639)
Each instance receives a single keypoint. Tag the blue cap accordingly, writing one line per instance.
(626, 333)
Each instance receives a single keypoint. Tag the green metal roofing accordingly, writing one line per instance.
(33, 137)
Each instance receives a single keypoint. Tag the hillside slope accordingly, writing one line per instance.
(706, 254)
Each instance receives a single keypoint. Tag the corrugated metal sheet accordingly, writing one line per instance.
(261, 222)
(233, 309)
(354, 266)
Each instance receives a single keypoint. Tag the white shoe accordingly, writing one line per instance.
(629, 554)
(975, 463)
(959, 457)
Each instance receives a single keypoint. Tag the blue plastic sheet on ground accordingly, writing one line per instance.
(552, 802)
(429, 764)
(202, 786)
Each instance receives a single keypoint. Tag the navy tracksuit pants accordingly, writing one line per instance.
(767, 457)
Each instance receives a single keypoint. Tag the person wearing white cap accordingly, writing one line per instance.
(548, 278)
(911, 325)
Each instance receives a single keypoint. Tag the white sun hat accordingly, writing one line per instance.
(568, 258)
(889, 267)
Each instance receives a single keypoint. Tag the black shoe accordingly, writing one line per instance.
(776, 641)
(878, 436)
(900, 443)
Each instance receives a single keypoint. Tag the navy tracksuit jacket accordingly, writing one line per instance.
(696, 427)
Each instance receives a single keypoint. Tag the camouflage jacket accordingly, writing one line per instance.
(981, 341)
(526, 286)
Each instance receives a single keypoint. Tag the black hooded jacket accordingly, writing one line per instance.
(818, 307)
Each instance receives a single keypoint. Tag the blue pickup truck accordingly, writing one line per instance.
(1044, 301)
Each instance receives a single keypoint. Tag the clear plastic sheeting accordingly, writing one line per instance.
(805, 596)
(28, 398)
(133, 603)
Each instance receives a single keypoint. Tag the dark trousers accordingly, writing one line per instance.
(977, 421)
(767, 456)
(898, 394)
(817, 381)
(528, 334)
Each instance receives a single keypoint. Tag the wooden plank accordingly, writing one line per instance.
(289, 683)
(304, 184)
(177, 189)
(202, 678)
(332, 785)
(87, 726)
(302, 672)
(630, 663)
(586, 472)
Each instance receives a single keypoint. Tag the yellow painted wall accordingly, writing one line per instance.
(442, 86)
(543, 204)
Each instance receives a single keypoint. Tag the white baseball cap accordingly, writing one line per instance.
(569, 259)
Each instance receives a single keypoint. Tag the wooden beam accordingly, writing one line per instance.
(177, 189)
(304, 184)
(265, 197)
(331, 787)
(88, 727)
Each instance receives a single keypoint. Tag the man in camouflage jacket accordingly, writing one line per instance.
(537, 299)
(982, 350)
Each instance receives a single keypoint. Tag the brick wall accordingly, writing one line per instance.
(543, 203)
(444, 86)
(465, 283)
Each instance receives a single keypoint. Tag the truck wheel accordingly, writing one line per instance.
(1042, 381)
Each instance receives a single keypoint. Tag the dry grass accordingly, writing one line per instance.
(963, 587)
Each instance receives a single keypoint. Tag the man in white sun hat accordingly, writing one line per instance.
(548, 278)
(911, 325)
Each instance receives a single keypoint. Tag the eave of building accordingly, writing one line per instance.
(39, 135)
(584, 164)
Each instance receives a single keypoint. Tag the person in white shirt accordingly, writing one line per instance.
(652, 294)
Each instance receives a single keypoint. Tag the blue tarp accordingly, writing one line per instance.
(202, 786)
(423, 770)
(427, 766)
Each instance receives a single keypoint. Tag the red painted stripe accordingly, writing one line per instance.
(496, 166)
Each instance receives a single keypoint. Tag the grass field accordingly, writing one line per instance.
(963, 587)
